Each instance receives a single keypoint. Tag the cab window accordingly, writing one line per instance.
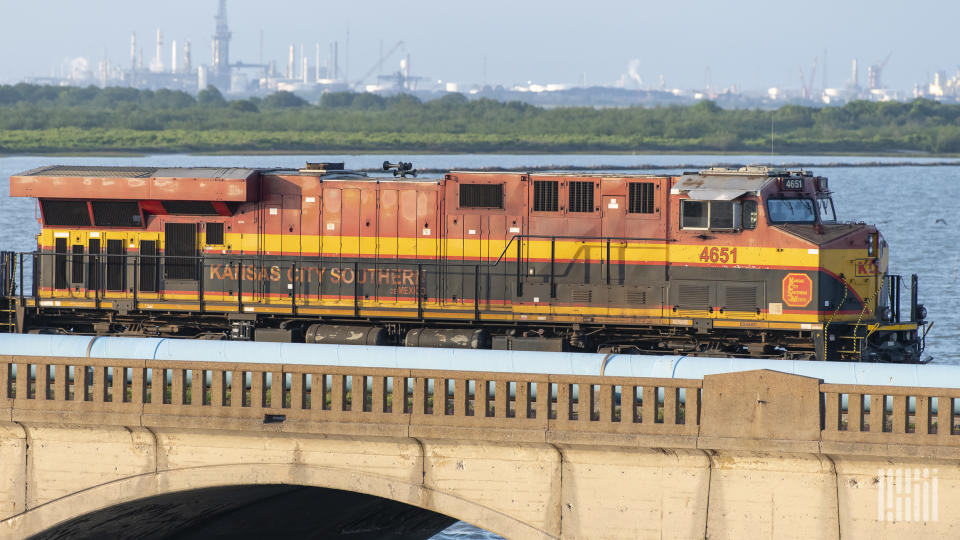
(827, 213)
(791, 210)
(751, 213)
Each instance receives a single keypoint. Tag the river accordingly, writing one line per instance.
(914, 206)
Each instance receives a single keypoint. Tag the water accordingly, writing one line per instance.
(915, 207)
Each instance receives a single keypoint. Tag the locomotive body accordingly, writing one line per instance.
(747, 262)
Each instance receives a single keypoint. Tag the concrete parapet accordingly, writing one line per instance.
(755, 454)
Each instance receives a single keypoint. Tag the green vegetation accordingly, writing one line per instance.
(67, 119)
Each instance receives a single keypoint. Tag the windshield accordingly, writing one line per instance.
(827, 212)
(791, 210)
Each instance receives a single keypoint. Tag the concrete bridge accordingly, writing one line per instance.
(151, 448)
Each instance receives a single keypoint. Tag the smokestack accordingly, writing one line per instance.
(317, 63)
(140, 60)
(159, 59)
(290, 63)
(303, 70)
(187, 61)
(133, 51)
(173, 56)
(300, 63)
(853, 77)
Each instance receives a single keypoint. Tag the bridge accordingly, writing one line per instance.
(148, 448)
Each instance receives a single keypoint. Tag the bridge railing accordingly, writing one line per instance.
(558, 408)
(886, 414)
(305, 396)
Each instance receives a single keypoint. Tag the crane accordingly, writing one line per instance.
(874, 72)
(379, 63)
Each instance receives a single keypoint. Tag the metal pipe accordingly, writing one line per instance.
(559, 363)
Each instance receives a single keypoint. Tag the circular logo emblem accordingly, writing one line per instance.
(797, 290)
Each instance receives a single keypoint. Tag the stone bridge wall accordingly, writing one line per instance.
(758, 454)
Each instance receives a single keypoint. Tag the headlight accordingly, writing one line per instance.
(870, 245)
(921, 312)
(887, 314)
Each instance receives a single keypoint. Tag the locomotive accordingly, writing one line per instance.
(721, 262)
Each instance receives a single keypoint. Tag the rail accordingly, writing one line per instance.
(96, 276)
(595, 409)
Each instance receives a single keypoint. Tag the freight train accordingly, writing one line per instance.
(748, 262)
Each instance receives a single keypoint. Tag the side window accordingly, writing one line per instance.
(713, 215)
(722, 216)
(640, 198)
(545, 195)
(214, 233)
(750, 214)
(581, 196)
(693, 214)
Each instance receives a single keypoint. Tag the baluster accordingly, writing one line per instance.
(278, 390)
(378, 399)
(297, 395)
(922, 416)
(198, 390)
(138, 387)
(648, 409)
(900, 416)
(944, 418)
(855, 412)
(564, 402)
(832, 411)
(501, 399)
(178, 387)
(119, 385)
(218, 385)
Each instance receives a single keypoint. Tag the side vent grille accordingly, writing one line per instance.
(694, 296)
(582, 296)
(481, 195)
(545, 196)
(741, 299)
(641, 198)
(637, 297)
(581, 197)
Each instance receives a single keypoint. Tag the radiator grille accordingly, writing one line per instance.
(115, 265)
(65, 213)
(214, 233)
(148, 266)
(190, 208)
(116, 214)
(180, 250)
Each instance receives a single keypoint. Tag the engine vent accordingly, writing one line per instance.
(641, 198)
(694, 296)
(636, 297)
(545, 197)
(481, 195)
(581, 196)
(741, 299)
(582, 296)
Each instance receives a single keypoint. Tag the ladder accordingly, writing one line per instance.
(8, 287)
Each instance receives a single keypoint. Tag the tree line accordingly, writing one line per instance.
(51, 118)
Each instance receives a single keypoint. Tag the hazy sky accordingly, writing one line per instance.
(752, 43)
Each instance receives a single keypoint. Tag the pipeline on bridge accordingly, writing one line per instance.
(536, 362)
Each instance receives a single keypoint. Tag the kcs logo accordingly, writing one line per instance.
(865, 267)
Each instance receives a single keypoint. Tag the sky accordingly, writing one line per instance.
(753, 44)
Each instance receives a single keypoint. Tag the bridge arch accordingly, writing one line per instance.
(47, 516)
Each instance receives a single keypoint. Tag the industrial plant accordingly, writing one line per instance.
(314, 69)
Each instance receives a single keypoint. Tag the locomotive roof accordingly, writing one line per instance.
(140, 172)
